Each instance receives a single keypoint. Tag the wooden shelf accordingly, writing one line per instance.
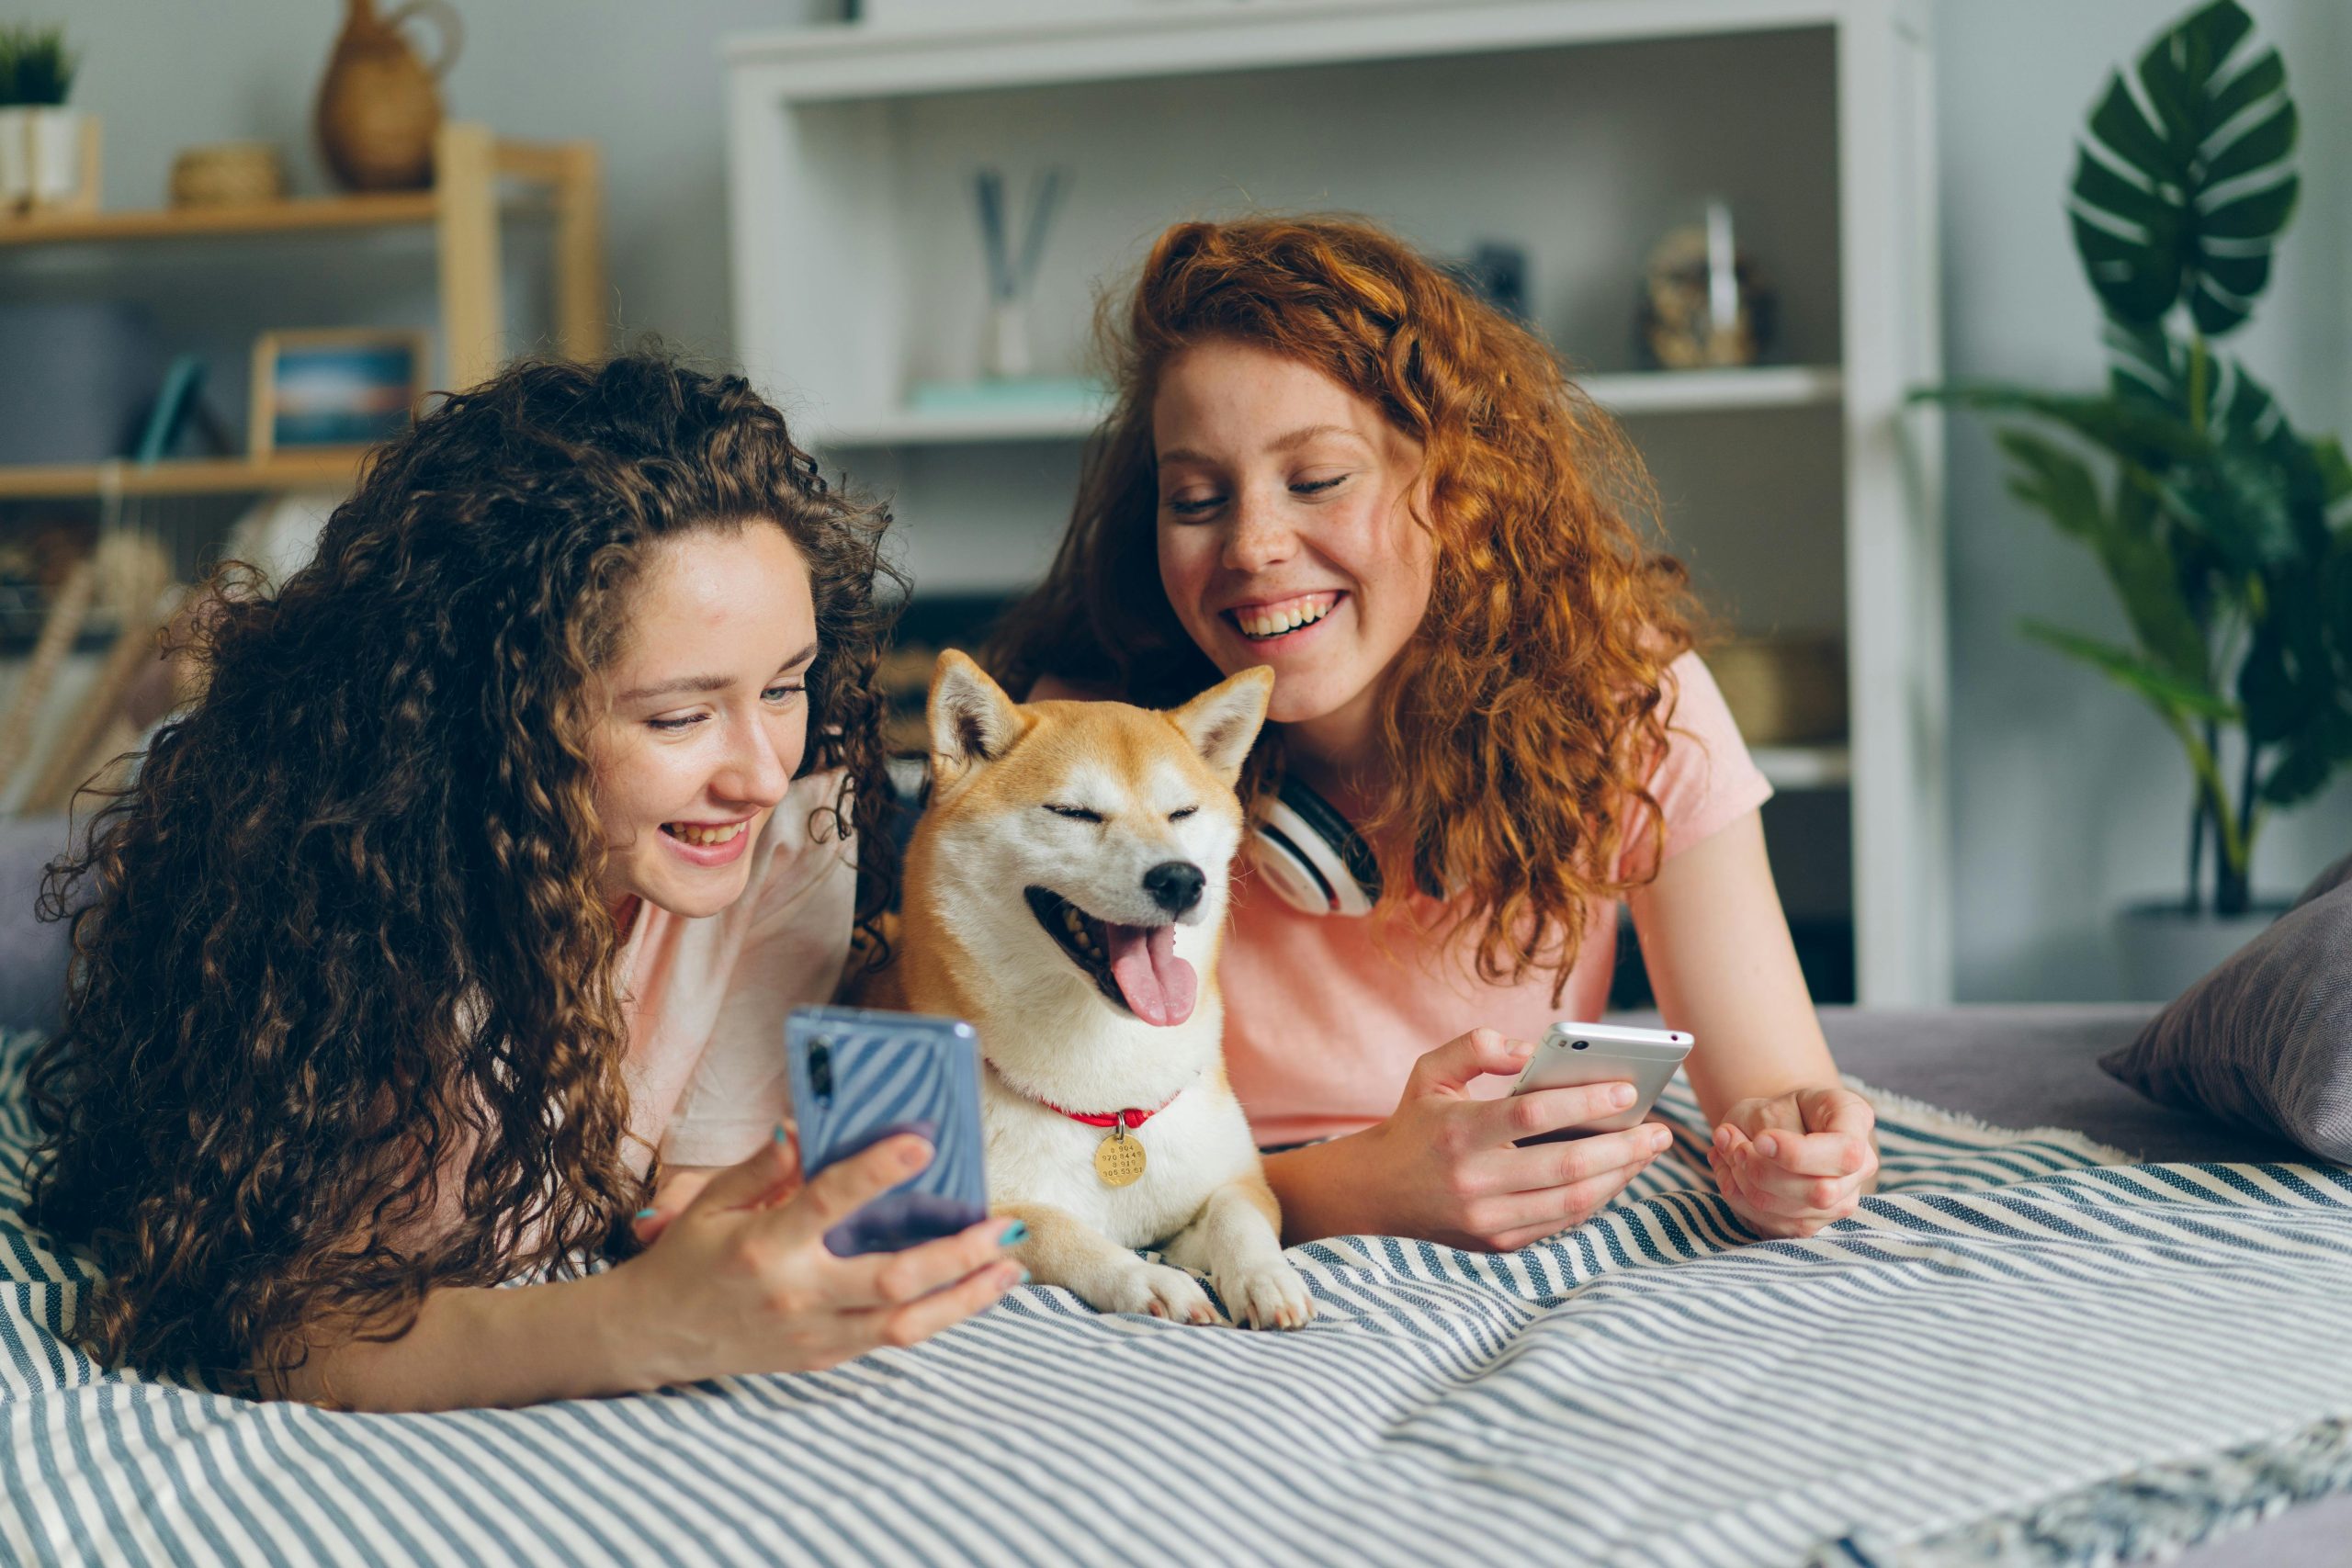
(386, 210)
(390, 209)
(1635, 393)
(203, 476)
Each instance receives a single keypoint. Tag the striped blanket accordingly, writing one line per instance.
(2020, 1351)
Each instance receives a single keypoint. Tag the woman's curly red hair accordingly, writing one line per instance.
(1527, 714)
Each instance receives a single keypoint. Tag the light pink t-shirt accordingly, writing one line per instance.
(706, 997)
(1323, 1023)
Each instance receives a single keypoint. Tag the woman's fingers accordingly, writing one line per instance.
(1815, 1153)
(1837, 1110)
(748, 1181)
(1547, 1167)
(1511, 1219)
(893, 1278)
(1453, 1066)
(1778, 1202)
(1545, 1110)
(841, 1189)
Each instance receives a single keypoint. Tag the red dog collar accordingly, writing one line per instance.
(1130, 1119)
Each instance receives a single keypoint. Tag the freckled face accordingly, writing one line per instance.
(708, 715)
(1286, 533)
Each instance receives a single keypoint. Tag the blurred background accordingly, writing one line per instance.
(1755, 225)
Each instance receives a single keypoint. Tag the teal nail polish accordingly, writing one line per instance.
(1024, 1279)
(644, 1215)
(779, 1132)
(1014, 1234)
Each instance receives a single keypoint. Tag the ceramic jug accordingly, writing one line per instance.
(379, 105)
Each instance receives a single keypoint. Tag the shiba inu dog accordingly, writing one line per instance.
(1065, 893)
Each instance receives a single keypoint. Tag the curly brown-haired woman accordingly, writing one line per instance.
(471, 893)
(1329, 458)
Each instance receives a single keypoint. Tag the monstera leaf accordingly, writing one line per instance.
(2225, 532)
(2181, 188)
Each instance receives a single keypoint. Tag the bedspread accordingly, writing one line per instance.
(2019, 1350)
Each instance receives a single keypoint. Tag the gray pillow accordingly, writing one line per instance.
(2266, 1039)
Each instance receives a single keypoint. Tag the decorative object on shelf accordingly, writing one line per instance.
(1783, 691)
(334, 388)
(1705, 303)
(228, 173)
(49, 154)
(1004, 343)
(180, 406)
(1496, 274)
(2220, 525)
(379, 105)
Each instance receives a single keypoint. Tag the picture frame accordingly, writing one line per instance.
(335, 388)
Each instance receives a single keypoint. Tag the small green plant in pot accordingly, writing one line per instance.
(2222, 529)
(41, 139)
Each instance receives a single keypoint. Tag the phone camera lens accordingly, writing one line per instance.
(821, 1067)
(1579, 1045)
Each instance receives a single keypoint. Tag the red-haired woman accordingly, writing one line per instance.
(1329, 458)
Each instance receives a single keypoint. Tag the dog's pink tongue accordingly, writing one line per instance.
(1158, 986)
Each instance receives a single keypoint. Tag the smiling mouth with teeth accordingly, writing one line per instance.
(703, 838)
(1265, 623)
(1135, 967)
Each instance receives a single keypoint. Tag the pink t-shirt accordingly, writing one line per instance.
(706, 997)
(1323, 1023)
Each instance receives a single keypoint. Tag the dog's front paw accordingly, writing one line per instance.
(1159, 1289)
(1267, 1296)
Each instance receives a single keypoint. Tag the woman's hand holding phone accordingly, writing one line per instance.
(1790, 1164)
(1447, 1168)
(739, 1280)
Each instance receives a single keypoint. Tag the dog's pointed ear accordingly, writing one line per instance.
(1223, 722)
(972, 721)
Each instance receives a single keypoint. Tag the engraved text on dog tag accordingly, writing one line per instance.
(1118, 1159)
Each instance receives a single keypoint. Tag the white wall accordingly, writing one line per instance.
(2069, 797)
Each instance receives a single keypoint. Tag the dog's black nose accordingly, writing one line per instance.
(1174, 885)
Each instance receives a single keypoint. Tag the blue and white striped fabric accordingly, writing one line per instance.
(2016, 1352)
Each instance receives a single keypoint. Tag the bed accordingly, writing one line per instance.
(2027, 1348)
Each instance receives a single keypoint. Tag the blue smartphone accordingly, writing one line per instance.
(859, 1076)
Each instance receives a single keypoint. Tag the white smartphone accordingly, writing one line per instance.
(1572, 1055)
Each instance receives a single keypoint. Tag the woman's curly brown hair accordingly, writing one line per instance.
(344, 930)
(1525, 715)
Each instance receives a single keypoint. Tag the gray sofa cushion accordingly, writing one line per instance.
(2265, 1040)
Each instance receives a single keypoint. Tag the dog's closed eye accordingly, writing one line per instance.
(1075, 813)
(1180, 816)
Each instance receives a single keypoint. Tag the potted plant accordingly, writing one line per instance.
(2223, 528)
(41, 139)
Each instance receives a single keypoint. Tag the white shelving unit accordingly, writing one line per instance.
(1696, 391)
(1801, 492)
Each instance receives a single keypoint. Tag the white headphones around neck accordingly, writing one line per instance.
(1312, 857)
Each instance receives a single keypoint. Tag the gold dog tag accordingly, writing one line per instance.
(1118, 1159)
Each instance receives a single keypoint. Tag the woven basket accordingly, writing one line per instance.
(230, 174)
